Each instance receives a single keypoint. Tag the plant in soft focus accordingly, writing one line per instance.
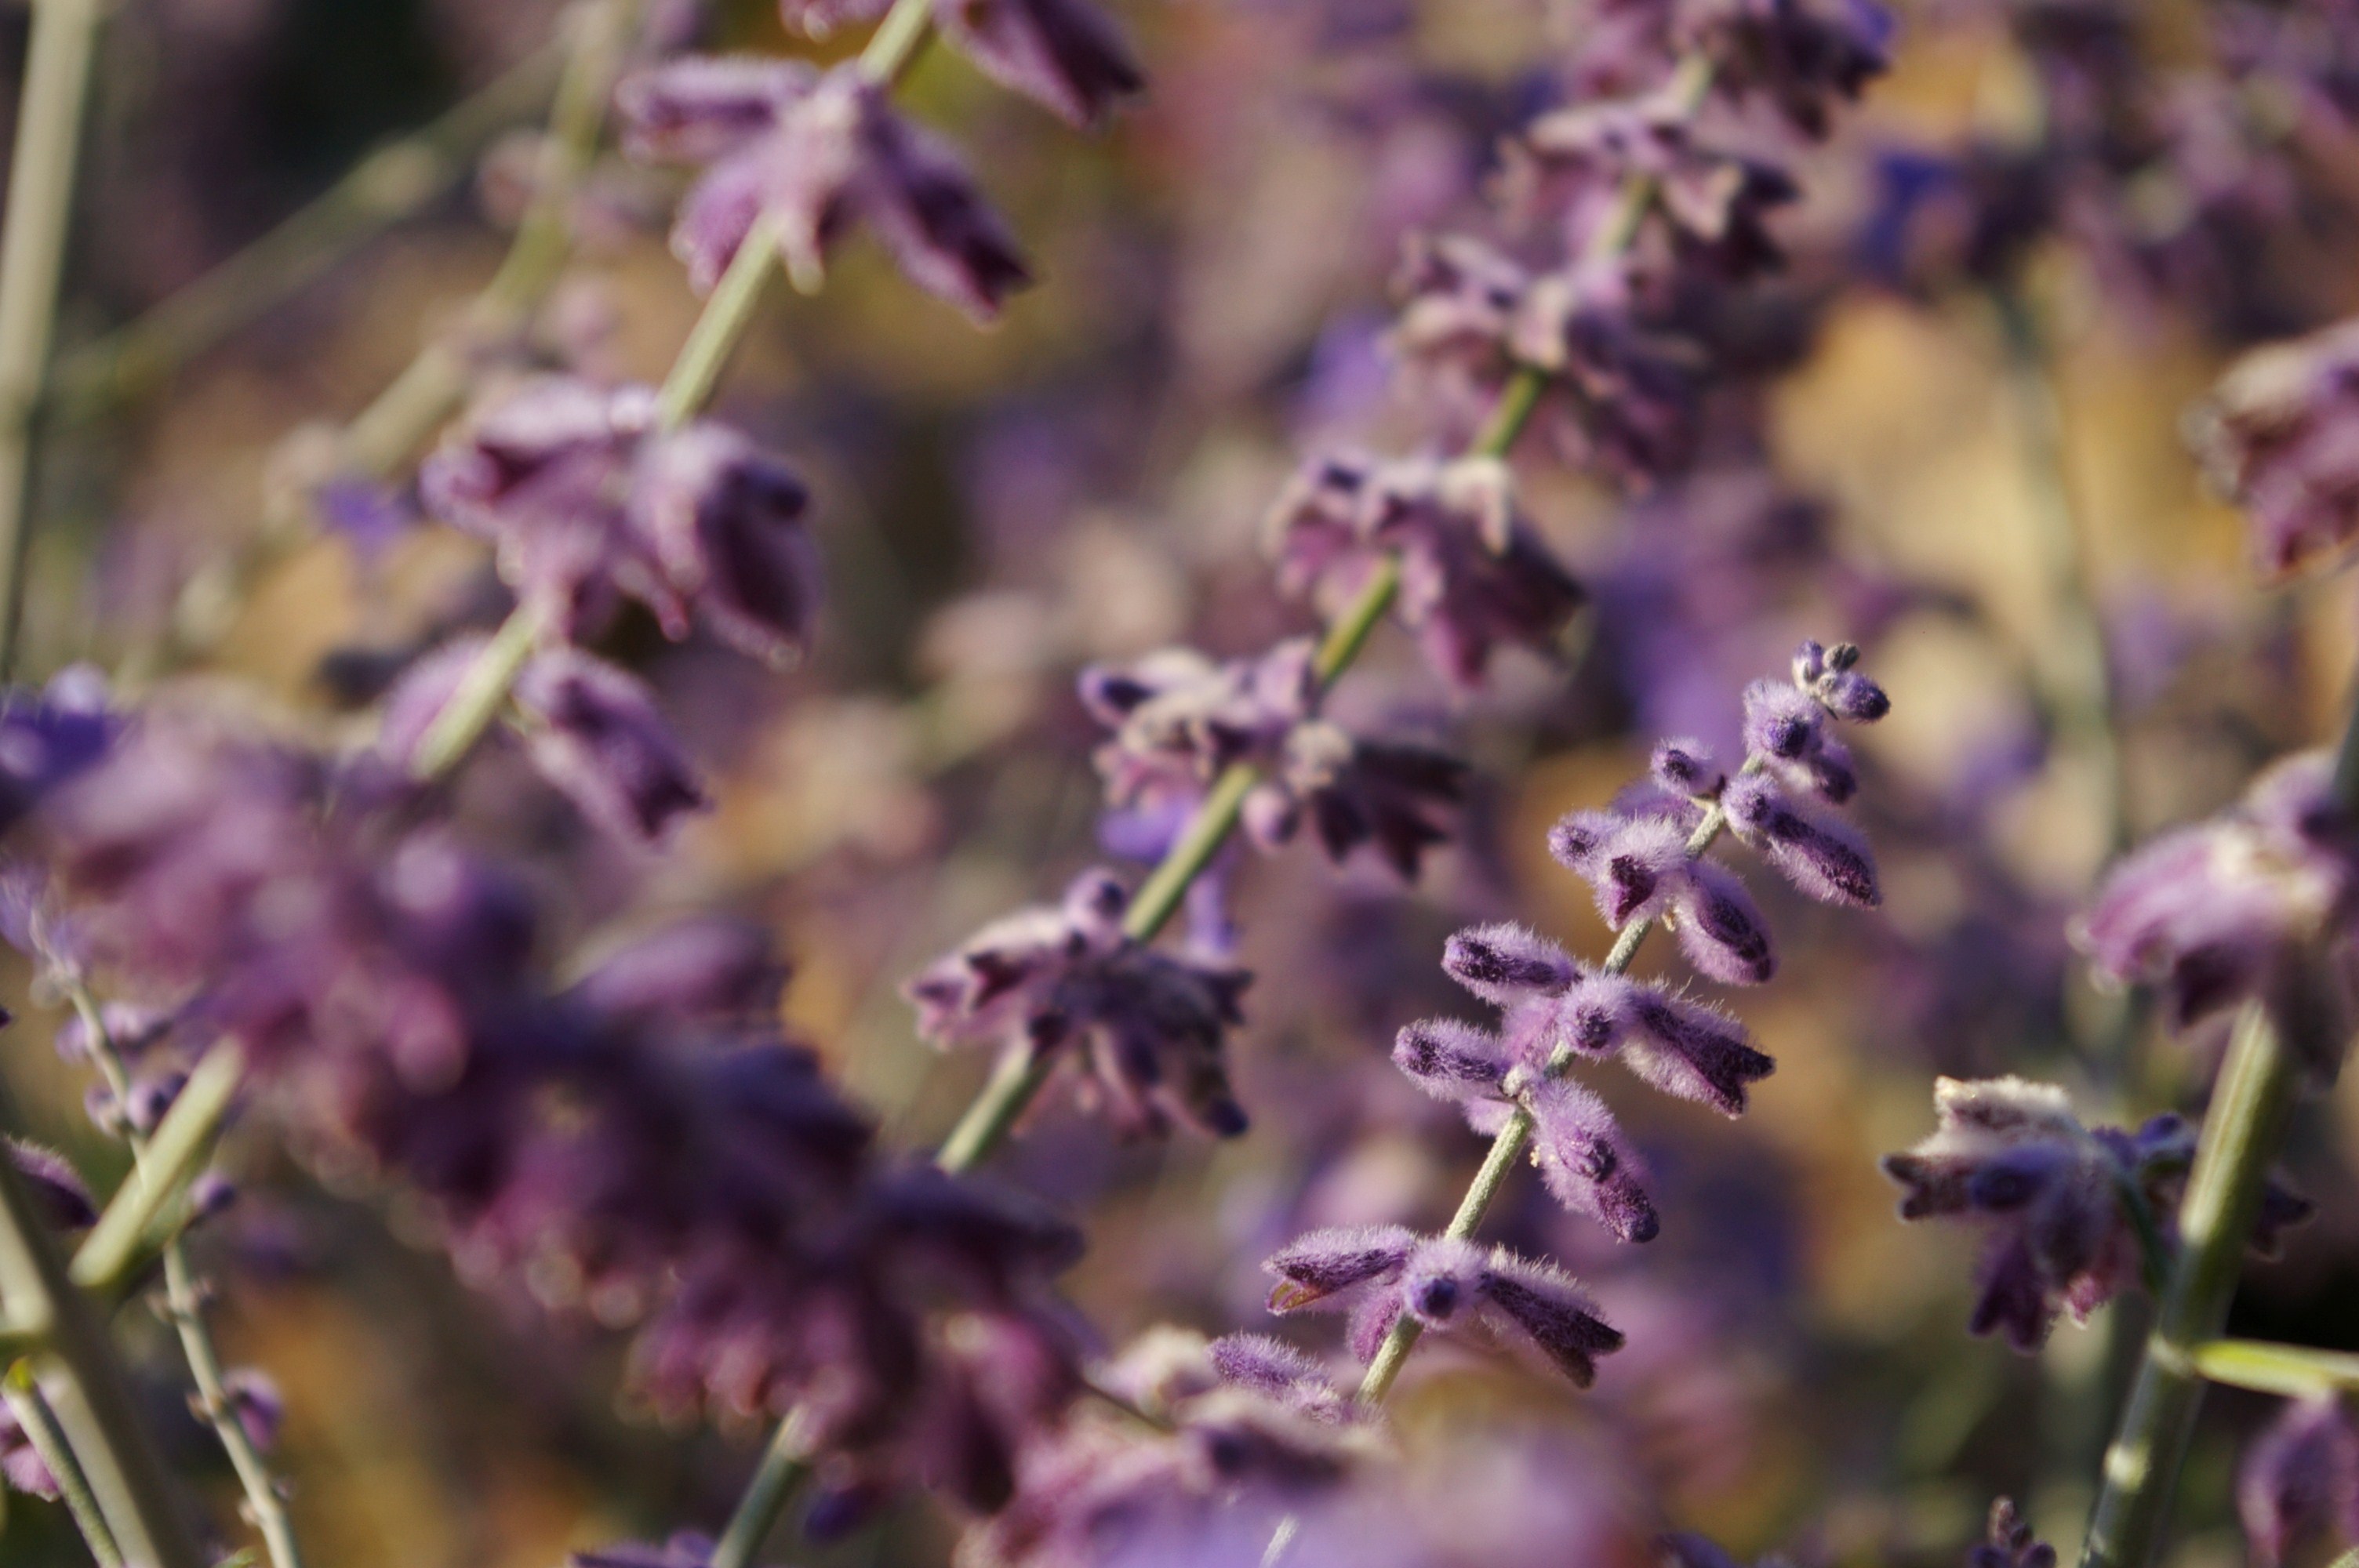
(1402, 424)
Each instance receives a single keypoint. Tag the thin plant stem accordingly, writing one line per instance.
(482, 692)
(85, 1384)
(786, 1462)
(431, 387)
(32, 262)
(389, 186)
(184, 1297)
(39, 1425)
(2241, 1135)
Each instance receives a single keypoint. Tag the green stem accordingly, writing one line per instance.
(2288, 1371)
(1018, 1076)
(786, 1462)
(719, 328)
(39, 1425)
(899, 39)
(161, 1166)
(32, 260)
(389, 186)
(2241, 1135)
(87, 1390)
(482, 692)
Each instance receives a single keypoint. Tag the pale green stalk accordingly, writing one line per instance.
(39, 1425)
(32, 262)
(160, 1165)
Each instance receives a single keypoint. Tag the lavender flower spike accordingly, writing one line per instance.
(2301, 1480)
(1063, 54)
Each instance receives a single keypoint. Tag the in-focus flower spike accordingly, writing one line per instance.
(1145, 1032)
(1639, 868)
(2300, 1480)
(1474, 575)
(815, 155)
(2239, 907)
(1179, 718)
(2280, 436)
(2007, 1541)
(585, 501)
(1821, 856)
(1680, 1047)
(1831, 675)
(2052, 1192)
(1786, 725)
(1062, 53)
(1506, 963)
(1381, 1273)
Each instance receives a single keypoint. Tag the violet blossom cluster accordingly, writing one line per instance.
(1646, 862)
(641, 1149)
(2069, 1209)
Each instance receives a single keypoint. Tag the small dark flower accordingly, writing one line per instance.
(1146, 1031)
(256, 1404)
(595, 732)
(723, 521)
(1640, 869)
(817, 156)
(2009, 1544)
(2301, 1480)
(1383, 1272)
(1473, 575)
(2280, 437)
(1687, 767)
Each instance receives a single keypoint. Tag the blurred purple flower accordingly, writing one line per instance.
(1144, 1031)
(56, 1187)
(2007, 1541)
(1474, 574)
(2279, 436)
(2300, 1480)
(595, 732)
(2241, 907)
(815, 155)
(1381, 1273)
(1179, 720)
(586, 499)
(1062, 53)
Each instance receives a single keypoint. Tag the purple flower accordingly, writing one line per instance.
(584, 499)
(1821, 856)
(2239, 907)
(2279, 436)
(815, 155)
(47, 740)
(256, 1404)
(1145, 1032)
(2012, 1156)
(594, 731)
(1473, 575)
(1640, 869)
(1686, 767)
(2300, 1480)
(56, 1189)
(1276, 1371)
(1061, 53)
(2008, 1542)
(1179, 720)
(1383, 1272)
(1576, 161)
(1800, 55)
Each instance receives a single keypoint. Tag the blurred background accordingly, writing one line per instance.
(1087, 481)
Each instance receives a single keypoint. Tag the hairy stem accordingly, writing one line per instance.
(32, 260)
(184, 1297)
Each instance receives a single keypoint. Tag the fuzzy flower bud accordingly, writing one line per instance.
(1381, 1273)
